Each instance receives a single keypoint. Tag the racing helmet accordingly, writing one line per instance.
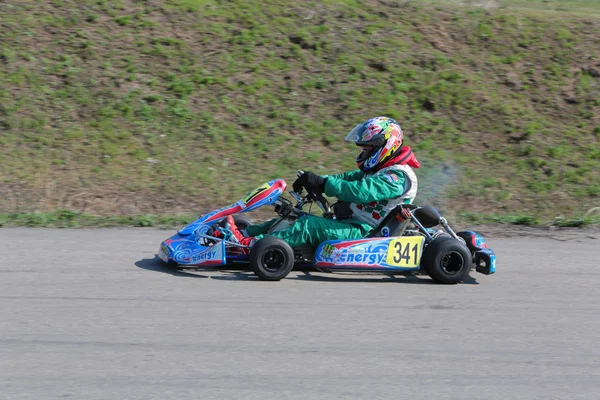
(386, 137)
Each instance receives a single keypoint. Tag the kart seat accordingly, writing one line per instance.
(392, 223)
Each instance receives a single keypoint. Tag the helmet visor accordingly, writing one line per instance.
(354, 135)
(361, 136)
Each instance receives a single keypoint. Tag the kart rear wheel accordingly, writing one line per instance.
(446, 260)
(271, 258)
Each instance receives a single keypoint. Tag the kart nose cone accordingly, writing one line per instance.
(164, 252)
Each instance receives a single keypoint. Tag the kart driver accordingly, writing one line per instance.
(385, 179)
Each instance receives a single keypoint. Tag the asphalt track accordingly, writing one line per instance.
(88, 314)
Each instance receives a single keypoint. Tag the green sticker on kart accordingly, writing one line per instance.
(405, 252)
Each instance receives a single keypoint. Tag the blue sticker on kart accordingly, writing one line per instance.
(401, 253)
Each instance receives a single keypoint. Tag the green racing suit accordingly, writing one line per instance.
(371, 197)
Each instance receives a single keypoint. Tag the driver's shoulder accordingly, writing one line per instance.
(392, 174)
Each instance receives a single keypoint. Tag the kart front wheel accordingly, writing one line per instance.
(271, 258)
(446, 260)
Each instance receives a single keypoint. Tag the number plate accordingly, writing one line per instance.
(405, 252)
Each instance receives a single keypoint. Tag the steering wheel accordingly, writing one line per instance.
(321, 202)
(317, 197)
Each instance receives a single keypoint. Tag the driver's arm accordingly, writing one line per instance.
(370, 188)
(348, 176)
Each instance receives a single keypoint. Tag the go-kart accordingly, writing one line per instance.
(403, 243)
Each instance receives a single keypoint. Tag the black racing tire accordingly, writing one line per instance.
(447, 260)
(271, 258)
(240, 222)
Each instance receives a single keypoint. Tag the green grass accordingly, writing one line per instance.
(177, 107)
(528, 220)
(73, 219)
(545, 6)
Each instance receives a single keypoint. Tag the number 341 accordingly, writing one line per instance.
(405, 252)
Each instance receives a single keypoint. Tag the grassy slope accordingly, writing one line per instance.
(136, 107)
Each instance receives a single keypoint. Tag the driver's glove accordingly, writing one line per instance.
(299, 182)
(313, 182)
